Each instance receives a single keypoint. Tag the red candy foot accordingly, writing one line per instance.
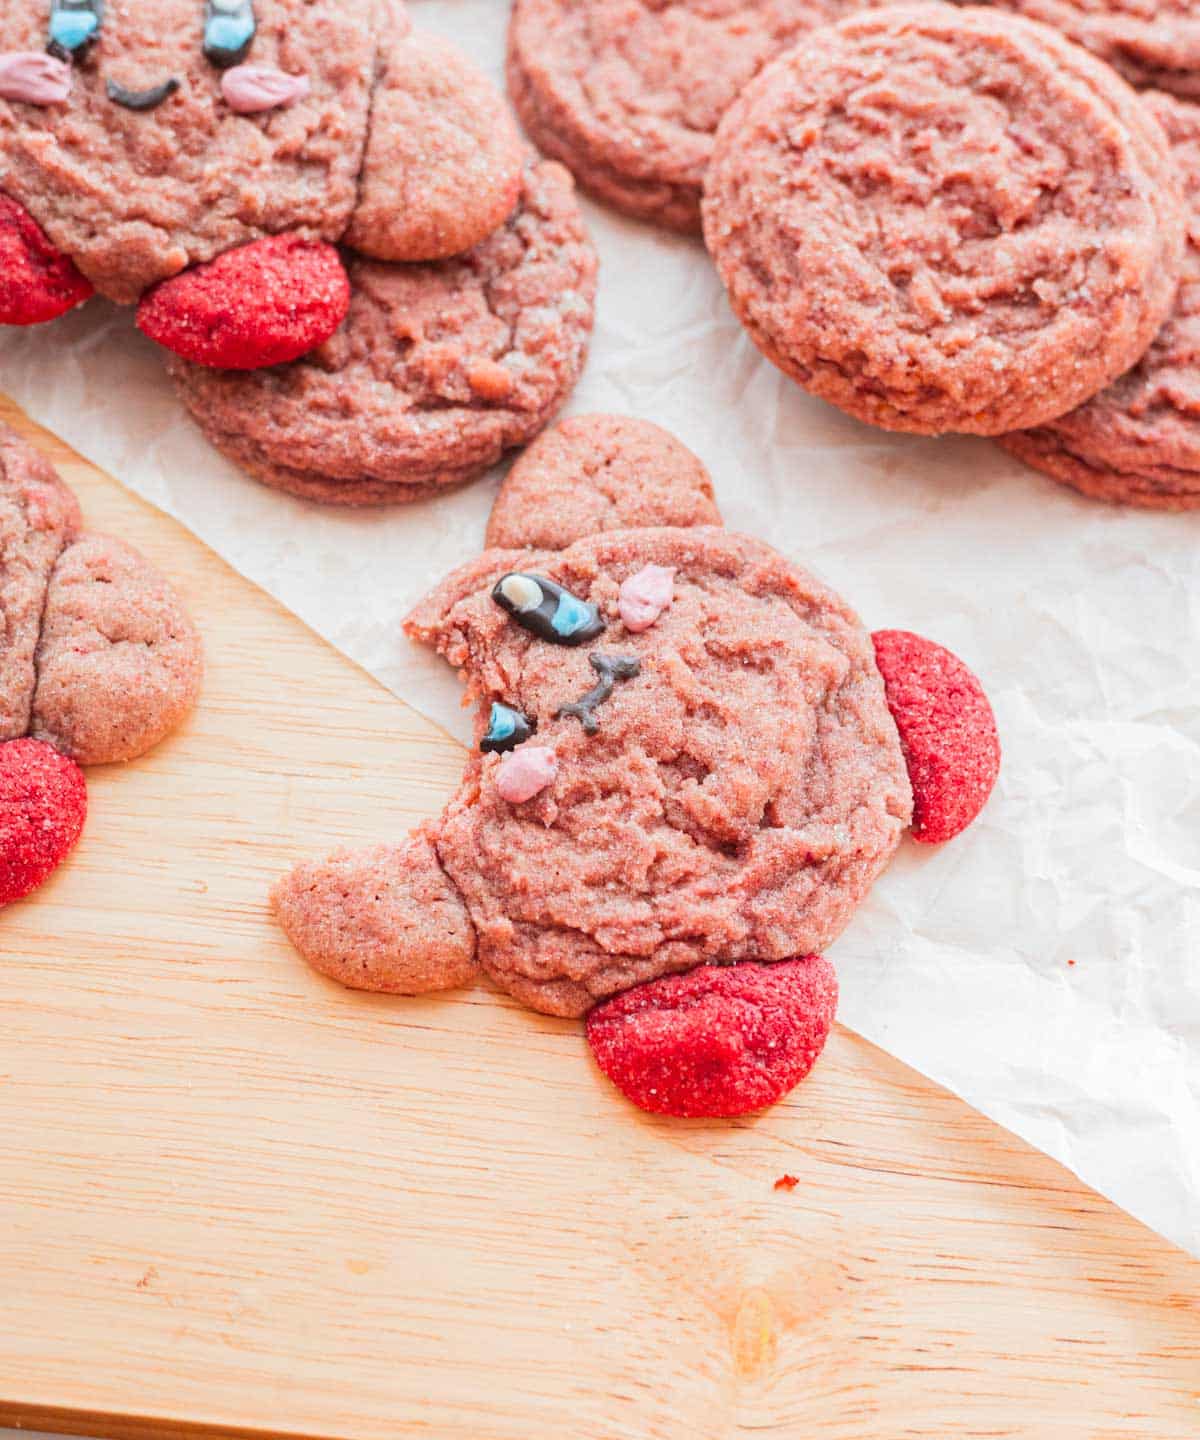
(43, 804)
(947, 731)
(262, 304)
(722, 1040)
(37, 283)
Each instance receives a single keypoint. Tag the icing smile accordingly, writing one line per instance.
(142, 99)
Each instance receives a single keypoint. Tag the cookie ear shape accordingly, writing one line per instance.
(119, 662)
(385, 919)
(37, 282)
(599, 472)
(947, 732)
(443, 162)
(261, 304)
(721, 1040)
(43, 804)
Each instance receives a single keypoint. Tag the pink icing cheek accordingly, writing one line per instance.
(34, 78)
(252, 89)
(525, 772)
(645, 596)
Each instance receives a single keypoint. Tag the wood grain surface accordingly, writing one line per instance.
(235, 1198)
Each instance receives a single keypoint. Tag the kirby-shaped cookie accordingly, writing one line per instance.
(370, 289)
(692, 762)
(98, 663)
(146, 138)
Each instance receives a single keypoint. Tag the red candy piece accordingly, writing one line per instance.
(947, 731)
(721, 1040)
(43, 804)
(262, 304)
(37, 282)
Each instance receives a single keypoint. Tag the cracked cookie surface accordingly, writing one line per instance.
(97, 655)
(437, 371)
(135, 198)
(1151, 42)
(945, 220)
(628, 95)
(737, 800)
(1138, 441)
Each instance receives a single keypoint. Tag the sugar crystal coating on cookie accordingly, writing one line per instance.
(947, 729)
(1138, 441)
(728, 791)
(384, 919)
(1151, 42)
(628, 93)
(719, 1041)
(591, 473)
(263, 304)
(945, 220)
(407, 396)
(37, 283)
(43, 804)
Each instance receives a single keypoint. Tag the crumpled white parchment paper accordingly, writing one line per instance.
(1082, 620)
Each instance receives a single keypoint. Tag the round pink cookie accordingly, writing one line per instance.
(721, 1040)
(1138, 441)
(739, 791)
(438, 370)
(599, 472)
(628, 93)
(945, 220)
(383, 919)
(1151, 42)
(119, 662)
(947, 730)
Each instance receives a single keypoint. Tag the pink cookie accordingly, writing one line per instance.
(1138, 442)
(592, 473)
(945, 220)
(687, 775)
(166, 151)
(438, 370)
(98, 660)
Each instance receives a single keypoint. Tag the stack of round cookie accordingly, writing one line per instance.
(939, 218)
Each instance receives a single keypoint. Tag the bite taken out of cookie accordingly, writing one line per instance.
(368, 288)
(98, 663)
(692, 763)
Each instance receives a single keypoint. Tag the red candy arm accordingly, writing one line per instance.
(947, 731)
(37, 282)
(43, 804)
(262, 304)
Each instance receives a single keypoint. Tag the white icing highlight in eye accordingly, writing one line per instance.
(521, 591)
(34, 78)
(252, 89)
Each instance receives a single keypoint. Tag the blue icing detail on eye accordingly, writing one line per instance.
(572, 614)
(228, 32)
(73, 28)
(502, 723)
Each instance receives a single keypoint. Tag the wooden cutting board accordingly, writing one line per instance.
(237, 1198)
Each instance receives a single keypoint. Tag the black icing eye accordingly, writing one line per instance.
(74, 25)
(229, 29)
(547, 610)
(507, 728)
